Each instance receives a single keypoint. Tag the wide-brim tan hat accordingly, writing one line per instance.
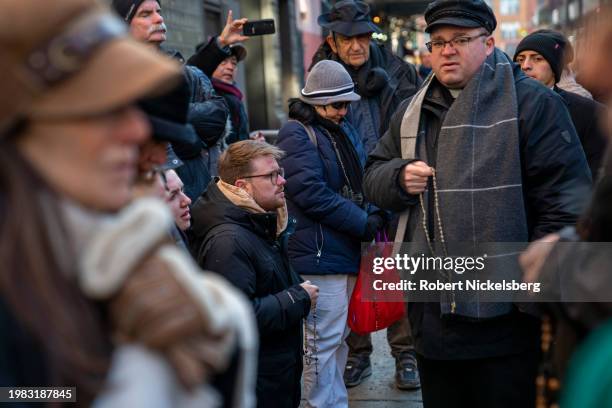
(120, 73)
(79, 61)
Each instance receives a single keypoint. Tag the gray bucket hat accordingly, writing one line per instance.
(328, 82)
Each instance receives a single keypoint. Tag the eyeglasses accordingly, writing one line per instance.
(273, 175)
(458, 42)
(339, 105)
(342, 39)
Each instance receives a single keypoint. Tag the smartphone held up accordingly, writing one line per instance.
(259, 27)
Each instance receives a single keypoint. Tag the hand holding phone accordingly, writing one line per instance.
(232, 32)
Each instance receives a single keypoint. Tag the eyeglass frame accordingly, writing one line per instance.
(279, 172)
(451, 42)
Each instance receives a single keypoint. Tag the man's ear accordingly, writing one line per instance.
(245, 185)
(331, 43)
(490, 45)
(240, 183)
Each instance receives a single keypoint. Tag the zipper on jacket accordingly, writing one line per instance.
(319, 248)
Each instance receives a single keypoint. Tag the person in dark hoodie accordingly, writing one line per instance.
(383, 81)
(240, 230)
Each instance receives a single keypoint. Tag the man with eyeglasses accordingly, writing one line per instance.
(383, 81)
(240, 230)
(479, 154)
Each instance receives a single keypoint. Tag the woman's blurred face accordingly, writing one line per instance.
(92, 160)
(334, 112)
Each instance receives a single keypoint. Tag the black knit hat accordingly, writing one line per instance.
(460, 13)
(127, 8)
(550, 45)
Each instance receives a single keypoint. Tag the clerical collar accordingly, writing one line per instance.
(455, 92)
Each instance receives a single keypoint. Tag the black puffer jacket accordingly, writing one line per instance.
(243, 247)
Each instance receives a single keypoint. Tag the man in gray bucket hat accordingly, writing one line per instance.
(383, 81)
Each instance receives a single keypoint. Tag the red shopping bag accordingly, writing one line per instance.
(376, 311)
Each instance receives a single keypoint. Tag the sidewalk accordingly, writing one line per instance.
(378, 390)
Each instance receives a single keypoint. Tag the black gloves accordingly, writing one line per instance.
(375, 223)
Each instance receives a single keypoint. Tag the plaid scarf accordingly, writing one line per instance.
(478, 174)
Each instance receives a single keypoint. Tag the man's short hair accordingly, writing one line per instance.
(235, 162)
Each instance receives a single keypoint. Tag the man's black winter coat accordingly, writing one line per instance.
(243, 247)
(586, 115)
(556, 181)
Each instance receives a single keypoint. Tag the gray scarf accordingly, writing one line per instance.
(478, 174)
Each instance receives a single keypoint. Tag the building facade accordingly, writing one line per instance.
(514, 21)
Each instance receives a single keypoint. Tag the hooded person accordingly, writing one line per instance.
(70, 133)
(542, 55)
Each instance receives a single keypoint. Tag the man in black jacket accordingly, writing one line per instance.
(541, 56)
(240, 230)
(383, 81)
(479, 154)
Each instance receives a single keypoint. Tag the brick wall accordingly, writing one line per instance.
(185, 20)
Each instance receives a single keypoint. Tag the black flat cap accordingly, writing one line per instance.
(460, 13)
(349, 18)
